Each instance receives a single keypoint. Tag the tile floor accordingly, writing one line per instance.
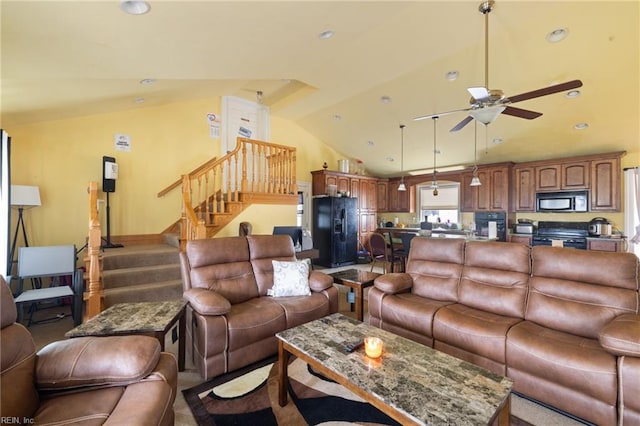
(46, 332)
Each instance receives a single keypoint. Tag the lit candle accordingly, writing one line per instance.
(373, 347)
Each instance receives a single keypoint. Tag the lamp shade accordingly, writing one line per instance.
(25, 196)
(475, 181)
(487, 115)
(402, 187)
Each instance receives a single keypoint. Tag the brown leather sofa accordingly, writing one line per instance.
(89, 380)
(562, 323)
(231, 322)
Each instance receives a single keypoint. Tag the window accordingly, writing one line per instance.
(441, 210)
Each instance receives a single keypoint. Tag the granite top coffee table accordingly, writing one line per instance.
(145, 318)
(411, 382)
(358, 280)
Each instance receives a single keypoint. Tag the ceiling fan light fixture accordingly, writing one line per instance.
(487, 115)
(135, 7)
(557, 35)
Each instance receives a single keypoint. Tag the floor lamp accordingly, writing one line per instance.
(22, 197)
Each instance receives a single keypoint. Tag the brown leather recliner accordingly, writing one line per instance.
(89, 380)
(231, 320)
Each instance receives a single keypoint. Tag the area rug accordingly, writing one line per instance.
(250, 397)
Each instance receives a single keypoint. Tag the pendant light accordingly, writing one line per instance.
(434, 184)
(475, 180)
(402, 186)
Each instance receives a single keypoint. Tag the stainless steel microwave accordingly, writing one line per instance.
(569, 201)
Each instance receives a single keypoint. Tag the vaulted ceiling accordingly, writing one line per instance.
(69, 58)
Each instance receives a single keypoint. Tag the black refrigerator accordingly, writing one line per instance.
(335, 230)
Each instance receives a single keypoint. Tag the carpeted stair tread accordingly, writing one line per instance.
(150, 292)
(126, 277)
(143, 255)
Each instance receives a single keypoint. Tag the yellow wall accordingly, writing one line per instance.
(62, 156)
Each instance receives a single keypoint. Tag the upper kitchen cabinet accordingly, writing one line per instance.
(599, 174)
(399, 201)
(491, 195)
(382, 198)
(524, 183)
(565, 176)
(605, 184)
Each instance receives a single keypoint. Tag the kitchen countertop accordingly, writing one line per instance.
(440, 233)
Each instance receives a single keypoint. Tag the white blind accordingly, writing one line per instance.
(447, 198)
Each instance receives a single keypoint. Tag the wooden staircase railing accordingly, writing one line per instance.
(255, 171)
(93, 297)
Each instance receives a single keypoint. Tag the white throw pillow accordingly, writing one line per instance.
(290, 278)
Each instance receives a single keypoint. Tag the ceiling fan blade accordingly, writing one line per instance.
(440, 114)
(461, 124)
(522, 113)
(478, 93)
(562, 87)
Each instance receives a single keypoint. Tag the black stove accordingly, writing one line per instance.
(565, 234)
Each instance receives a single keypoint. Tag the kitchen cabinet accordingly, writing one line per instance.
(605, 245)
(492, 195)
(524, 198)
(382, 187)
(599, 174)
(605, 184)
(565, 176)
(399, 201)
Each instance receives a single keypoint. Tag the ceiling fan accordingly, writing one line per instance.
(486, 104)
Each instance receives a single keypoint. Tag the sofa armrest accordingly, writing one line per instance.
(621, 336)
(95, 362)
(397, 282)
(319, 281)
(207, 302)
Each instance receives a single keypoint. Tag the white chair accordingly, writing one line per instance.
(49, 261)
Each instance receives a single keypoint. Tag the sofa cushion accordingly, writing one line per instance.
(495, 277)
(222, 265)
(578, 291)
(474, 330)
(435, 266)
(290, 278)
(253, 321)
(264, 249)
(301, 309)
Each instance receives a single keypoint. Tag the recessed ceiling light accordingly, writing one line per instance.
(370, 143)
(581, 126)
(337, 117)
(385, 99)
(139, 100)
(452, 75)
(498, 141)
(326, 34)
(391, 159)
(147, 81)
(436, 151)
(135, 7)
(557, 35)
(572, 94)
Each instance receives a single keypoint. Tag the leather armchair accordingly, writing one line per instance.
(89, 380)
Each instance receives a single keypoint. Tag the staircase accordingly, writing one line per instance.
(141, 273)
(212, 196)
